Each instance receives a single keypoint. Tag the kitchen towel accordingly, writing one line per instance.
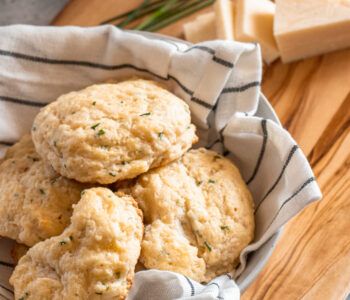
(220, 80)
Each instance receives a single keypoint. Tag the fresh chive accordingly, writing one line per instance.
(133, 14)
(94, 103)
(63, 243)
(98, 293)
(181, 13)
(199, 182)
(42, 192)
(112, 174)
(101, 132)
(94, 126)
(124, 162)
(82, 192)
(225, 228)
(160, 135)
(211, 181)
(207, 246)
(158, 13)
(145, 114)
(217, 157)
(146, 9)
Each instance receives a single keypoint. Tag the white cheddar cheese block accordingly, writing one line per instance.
(306, 28)
(201, 29)
(224, 12)
(254, 23)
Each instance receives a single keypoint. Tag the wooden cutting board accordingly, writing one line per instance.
(312, 99)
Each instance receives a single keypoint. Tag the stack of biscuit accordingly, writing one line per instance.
(107, 180)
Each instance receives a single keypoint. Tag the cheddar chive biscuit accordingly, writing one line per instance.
(35, 201)
(109, 132)
(199, 215)
(94, 258)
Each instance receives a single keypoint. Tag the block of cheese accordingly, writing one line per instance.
(201, 29)
(254, 23)
(224, 12)
(311, 27)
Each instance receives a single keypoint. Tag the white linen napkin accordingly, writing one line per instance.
(220, 80)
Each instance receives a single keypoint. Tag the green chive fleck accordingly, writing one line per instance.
(208, 246)
(94, 126)
(42, 192)
(94, 103)
(124, 162)
(145, 114)
(160, 135)
(211, 181)
(101, 132)
(225, 228)
(98, 293)
(117, 274)
(199, 182)
(82, 193)
(112, 174)
(217, 157)
(63, 243)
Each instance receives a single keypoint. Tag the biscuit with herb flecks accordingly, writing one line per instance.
(94, 258)
(110, 132)
(198, 213)
(35, 201)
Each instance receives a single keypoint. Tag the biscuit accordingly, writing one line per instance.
(198, 214)
(35, 201)
(110, 132)
(94, 258)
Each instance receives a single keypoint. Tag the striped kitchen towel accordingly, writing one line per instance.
(220, 80)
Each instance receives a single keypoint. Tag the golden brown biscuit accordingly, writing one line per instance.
(94, 258)
(199, 213)
(110, 132)
(35, 201)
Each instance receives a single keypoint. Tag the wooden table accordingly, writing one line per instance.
(312, 99)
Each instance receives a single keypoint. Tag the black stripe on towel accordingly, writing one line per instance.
(202, 103)
(306, 183)
(262, 151)
(218, 60)
(241, 88)
(6, 289)
(223, 62)
(214, 283)
(22, 101)
(4, 143)
(290, 155)
(91, 65)
(191, 285)
(203, 48)
(6, 264)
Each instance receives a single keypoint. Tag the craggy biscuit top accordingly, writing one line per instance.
(35, 201)
(94, 258)
(109, 132)
(199, 213)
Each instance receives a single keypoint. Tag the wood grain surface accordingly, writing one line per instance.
(312, 99)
